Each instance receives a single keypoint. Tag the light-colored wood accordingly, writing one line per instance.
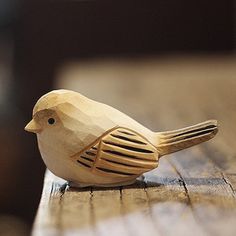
(191, 192)
(92, 144)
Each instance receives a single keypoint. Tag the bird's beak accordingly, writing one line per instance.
(33, 127)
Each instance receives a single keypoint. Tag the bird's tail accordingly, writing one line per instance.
(176, 140)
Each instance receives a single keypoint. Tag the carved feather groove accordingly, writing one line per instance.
(83, 164)
(90, 153)
(130, 148)
(121, 154)
(188, 134)
(128, 139)
(86, 158)
(130, 161)
(113, 171)
(119, 163)
(126, 132)
(209, 127)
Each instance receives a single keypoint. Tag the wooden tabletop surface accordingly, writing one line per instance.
(192, 192)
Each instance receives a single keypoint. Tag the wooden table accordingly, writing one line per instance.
(192, 192)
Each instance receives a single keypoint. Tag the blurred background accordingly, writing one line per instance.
(112, 51)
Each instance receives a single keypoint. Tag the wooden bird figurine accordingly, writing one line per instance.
(92, 144)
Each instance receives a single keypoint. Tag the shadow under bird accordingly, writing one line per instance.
(89, 143)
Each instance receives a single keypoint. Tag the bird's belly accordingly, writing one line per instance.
(62, 166)
(56, 164)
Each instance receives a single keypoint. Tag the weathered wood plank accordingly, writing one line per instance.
(61, 209)
(136, 210)
(106, 209)
(170, 203)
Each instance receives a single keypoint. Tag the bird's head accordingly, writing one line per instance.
(43, 119)
(58, 121)
(47, 112)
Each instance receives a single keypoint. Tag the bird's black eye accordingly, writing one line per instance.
(51, 121)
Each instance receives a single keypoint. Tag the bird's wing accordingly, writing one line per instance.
(119, 153)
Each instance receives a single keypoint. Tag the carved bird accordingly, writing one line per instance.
(89, 143)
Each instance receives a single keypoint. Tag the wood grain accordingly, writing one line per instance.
(192, 192)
